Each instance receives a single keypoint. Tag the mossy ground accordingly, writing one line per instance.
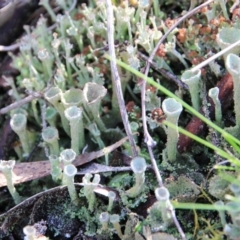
(71, 54)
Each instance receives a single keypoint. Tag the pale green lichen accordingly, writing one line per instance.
(183, 189)
(76, 68)
(219, 187)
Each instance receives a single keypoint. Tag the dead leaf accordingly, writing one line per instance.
(24, 172)
(99, 168)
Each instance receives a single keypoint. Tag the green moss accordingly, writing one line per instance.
(219, 187)
(121, 181)
(71, 61)
(133, 202)
(90, 221)
(183, 189)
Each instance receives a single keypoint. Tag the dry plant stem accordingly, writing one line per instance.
(100, 168)
(148, 139)
(219, 54)
(44, 123)
(150, 144)
(177, 224)
(43, 114)
(20, 103)
(17, 45)
(73, 6)
(155, 167)
(237, 2)
(164, 72)
(9, 48)
(116, 79)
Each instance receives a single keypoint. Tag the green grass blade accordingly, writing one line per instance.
(227, 168)
(233, 144)
(170, 94)
(218, 151)
(201, 206)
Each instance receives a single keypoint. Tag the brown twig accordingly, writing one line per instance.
(197, 126)
(20, 103)
(164, 72)
(116, 78)
(147, 137)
